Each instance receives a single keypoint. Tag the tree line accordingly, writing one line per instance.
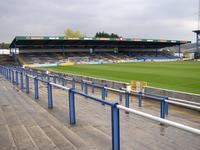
(4, 45)
(106, 35)
(69, 33)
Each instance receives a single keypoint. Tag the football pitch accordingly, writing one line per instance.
(181, 76)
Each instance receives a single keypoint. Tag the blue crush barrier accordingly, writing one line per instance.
(13, 76)
(49, 92)
(36, 88)
(85, 83)
(16, 76)
(105, 89)
(27, 84)
(114, 114)
(115, 119)
(21, 80)
(92, 87)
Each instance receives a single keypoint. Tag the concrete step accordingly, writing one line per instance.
(45, 125)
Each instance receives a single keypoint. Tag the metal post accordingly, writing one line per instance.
(120, 96)
(27, 84)
(36, 88)
(162, 108)
(92, 87)
(166, 106)
(9, 72)
(106, 91)
(54, 79)
(72, 114)
(6, 73)
(103, 97)
(63, 82)
(16, 76)
(127, 99)
(59, 79)
(115, 127)
(103, 93)
(13, 76)
(10, 75)
(21, 80)
(82, 85)
(73, 83)
(50, 98)
(86, 88)
(140, 99)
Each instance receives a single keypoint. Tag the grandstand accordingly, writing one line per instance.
(52, 51)
(6, 60)
(46, 109)
(189, 47)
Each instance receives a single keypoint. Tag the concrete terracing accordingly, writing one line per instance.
(26, 123)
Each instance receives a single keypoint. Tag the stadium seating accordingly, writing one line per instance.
(55, 59)
(158, 58)
(6, 60)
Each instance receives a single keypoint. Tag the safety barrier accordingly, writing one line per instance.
(104, 93)
(105, 89)
(115, 107)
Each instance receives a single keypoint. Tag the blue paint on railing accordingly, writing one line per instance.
(50, 98)
(36, 88)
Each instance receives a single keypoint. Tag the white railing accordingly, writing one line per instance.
(116, 90)
(59, 86)
(184, 101)
(183, 104)
(163, 121)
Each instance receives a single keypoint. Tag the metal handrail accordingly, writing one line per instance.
(182, 104)
(59, 86)
(164, 121)
(116, 90)
(114, 109)
(94, 98)
(182, 100)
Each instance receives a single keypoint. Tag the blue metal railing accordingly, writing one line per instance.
(115, 120)
(72, 115)
(84, 86)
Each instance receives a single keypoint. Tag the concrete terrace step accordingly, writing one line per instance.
(93, 127)
(26, 125)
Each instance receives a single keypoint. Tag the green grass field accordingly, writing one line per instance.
(182, 76)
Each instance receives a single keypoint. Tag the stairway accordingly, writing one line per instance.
(26, 125)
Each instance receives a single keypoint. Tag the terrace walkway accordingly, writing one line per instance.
(26, 123)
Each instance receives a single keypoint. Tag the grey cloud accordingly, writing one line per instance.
(167, 19)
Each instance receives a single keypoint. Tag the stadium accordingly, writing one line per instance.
(60, 53)
(99, 93)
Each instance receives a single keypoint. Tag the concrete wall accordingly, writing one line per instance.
(98, 81)
(117, 85)
(174, 94)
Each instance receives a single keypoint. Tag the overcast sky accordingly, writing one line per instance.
(158, 19)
